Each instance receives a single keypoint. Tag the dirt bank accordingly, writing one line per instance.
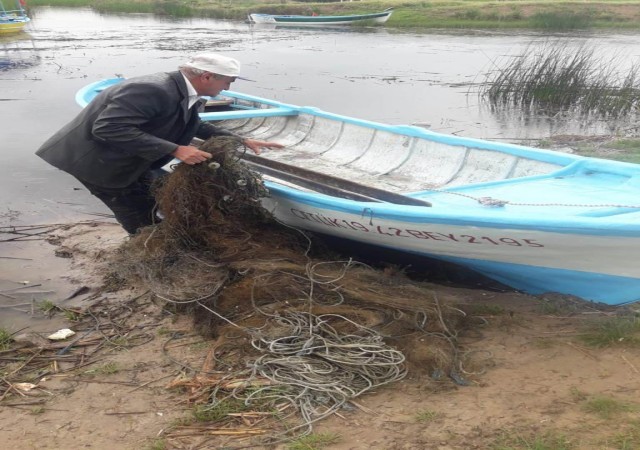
(532, 381)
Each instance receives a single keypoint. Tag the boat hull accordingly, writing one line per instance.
(536, 220)
(295, 20)
(530, 260)
(10, 25)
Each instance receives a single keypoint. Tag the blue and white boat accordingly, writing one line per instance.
(537, 220)
(299, 20)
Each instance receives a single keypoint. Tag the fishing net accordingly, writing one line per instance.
(304, 330)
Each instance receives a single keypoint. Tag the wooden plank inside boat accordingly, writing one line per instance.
(328, 184)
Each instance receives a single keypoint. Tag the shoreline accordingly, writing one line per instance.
(414, 14)
(529, 376)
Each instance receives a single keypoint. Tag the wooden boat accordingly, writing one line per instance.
(537, 220)
(380, 17)
(13, 21)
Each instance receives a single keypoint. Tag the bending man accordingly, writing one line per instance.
(116, 146)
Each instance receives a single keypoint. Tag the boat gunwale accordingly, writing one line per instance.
(484, 216)
(487, 217)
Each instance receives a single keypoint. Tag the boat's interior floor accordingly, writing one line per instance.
(448, 176)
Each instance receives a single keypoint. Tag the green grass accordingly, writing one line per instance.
(314, 441)
(612, 331)
(162, 8)
(164, 331)
(544, 343)
(109, 368)
(550, 440)
(47, 306)
(481, 309)
(626, 144)
(608, 407)
(37, 410)
(157, 444)
(427, 416)
(5, 339)
(625, 149)
(72, 316)
(120, 342)
(562, 20)
(627, 439)
(629, 150)
(215, 412)
(631, 155)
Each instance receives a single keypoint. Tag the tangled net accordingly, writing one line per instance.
(305, 334)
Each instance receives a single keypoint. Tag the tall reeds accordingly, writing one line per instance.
(560, 20)
(556, 78)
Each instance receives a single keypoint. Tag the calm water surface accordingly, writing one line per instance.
(377, 74)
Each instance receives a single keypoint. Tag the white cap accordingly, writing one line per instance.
(215, 63)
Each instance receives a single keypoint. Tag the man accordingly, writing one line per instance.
(116, 146)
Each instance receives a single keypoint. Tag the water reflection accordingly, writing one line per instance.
(18, 51)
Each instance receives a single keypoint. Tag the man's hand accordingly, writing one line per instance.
(190, 155)
(256, 145)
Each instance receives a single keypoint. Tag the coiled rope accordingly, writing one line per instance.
(314, 365)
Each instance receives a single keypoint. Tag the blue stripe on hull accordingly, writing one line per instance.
(612, 290)
(475, 216)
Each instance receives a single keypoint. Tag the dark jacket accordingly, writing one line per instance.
(127, 129)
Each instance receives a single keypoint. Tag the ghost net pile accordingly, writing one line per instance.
(296, 335)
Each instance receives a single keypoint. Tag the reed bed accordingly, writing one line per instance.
(561, 20)
(555, 78)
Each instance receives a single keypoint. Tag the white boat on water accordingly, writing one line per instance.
(299, 20)
(537, 220)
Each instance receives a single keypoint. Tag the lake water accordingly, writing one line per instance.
(379, 74)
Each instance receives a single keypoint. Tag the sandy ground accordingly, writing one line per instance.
(532, 385)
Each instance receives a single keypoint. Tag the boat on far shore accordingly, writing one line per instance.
(13, 20)
(375, 18)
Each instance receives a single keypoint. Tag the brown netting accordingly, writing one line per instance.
(246, 278)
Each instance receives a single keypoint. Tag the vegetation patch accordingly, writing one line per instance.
(518, 440)
(561, 21)
(553, 78)
(109, 368)
(427, 415)
(626, 439)
(5, 339)
(612, 331)
(314, 441)
(608, 407)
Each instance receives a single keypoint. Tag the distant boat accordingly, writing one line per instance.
(536, 220)
(380, 17)
(13, 20)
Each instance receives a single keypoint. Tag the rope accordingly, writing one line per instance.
(317, 368)
(493, 202)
